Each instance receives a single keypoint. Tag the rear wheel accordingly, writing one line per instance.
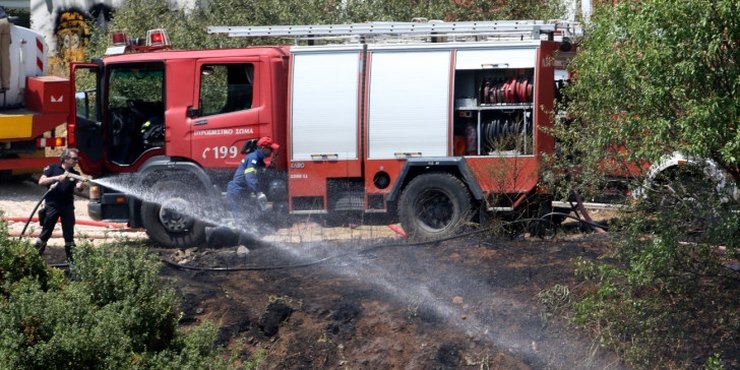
(6, 176)
(685, 197)
(434, 205)
(170, 221)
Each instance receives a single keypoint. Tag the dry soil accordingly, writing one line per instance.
(361, 297)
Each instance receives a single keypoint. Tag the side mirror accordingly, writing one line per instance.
(192, 112)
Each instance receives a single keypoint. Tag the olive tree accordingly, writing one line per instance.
(655, 77)
(187, 27)
(650, 78)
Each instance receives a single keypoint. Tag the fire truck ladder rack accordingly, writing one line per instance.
(503, 30)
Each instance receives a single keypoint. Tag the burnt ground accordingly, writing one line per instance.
(464, 303)
(370, 301)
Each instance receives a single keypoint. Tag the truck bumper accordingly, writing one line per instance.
(112, 207)
(95, 210)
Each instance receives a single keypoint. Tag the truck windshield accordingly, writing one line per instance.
(135, 117)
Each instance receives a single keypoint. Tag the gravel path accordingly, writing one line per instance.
(17, 200)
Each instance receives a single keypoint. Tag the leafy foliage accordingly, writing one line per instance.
(653, 77)
(660, 316)
(19, 260)
(188, 28)
(667, 77)
(115, 314)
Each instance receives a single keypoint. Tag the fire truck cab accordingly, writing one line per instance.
(431, 131)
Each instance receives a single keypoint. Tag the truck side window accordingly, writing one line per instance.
(225, 88)
(86, 104)
(135, 98)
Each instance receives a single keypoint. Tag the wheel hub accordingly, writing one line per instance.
(435, 209)
(173, 215)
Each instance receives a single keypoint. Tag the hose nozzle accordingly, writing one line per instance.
(77, 177)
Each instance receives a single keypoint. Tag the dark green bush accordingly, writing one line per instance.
(115, 314)
(127, 278)
(19, 259)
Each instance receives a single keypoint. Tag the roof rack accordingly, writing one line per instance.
(524, 29)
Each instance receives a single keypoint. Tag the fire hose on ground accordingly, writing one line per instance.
(578, 207)
(592, 224)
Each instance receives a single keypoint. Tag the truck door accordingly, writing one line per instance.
(84, 127)
(229, 101)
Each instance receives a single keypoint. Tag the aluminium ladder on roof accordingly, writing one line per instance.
(526, 28)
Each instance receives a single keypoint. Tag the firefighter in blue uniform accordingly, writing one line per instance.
(245, 198)
(244, 192)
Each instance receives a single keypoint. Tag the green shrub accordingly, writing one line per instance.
(19, 259)
(655, 309)
(114, 314)
(127, 278)
(60, 329)
(193, 351)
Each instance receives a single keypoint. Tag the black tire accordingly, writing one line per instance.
(434, 205)
(685, 197)
(169, 222)
(6, 176)
(678, 186)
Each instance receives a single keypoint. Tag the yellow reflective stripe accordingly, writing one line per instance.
(250, 170)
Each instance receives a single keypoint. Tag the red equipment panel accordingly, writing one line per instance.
(47, 94)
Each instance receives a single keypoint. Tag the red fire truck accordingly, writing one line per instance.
(434, 124)
(32, 108)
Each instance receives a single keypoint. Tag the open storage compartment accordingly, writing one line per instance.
(493, 112)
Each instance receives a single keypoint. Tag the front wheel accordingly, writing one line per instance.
(434, 205)
(170, 221)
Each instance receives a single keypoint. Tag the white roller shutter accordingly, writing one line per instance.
(409, 103)
(324, 107)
